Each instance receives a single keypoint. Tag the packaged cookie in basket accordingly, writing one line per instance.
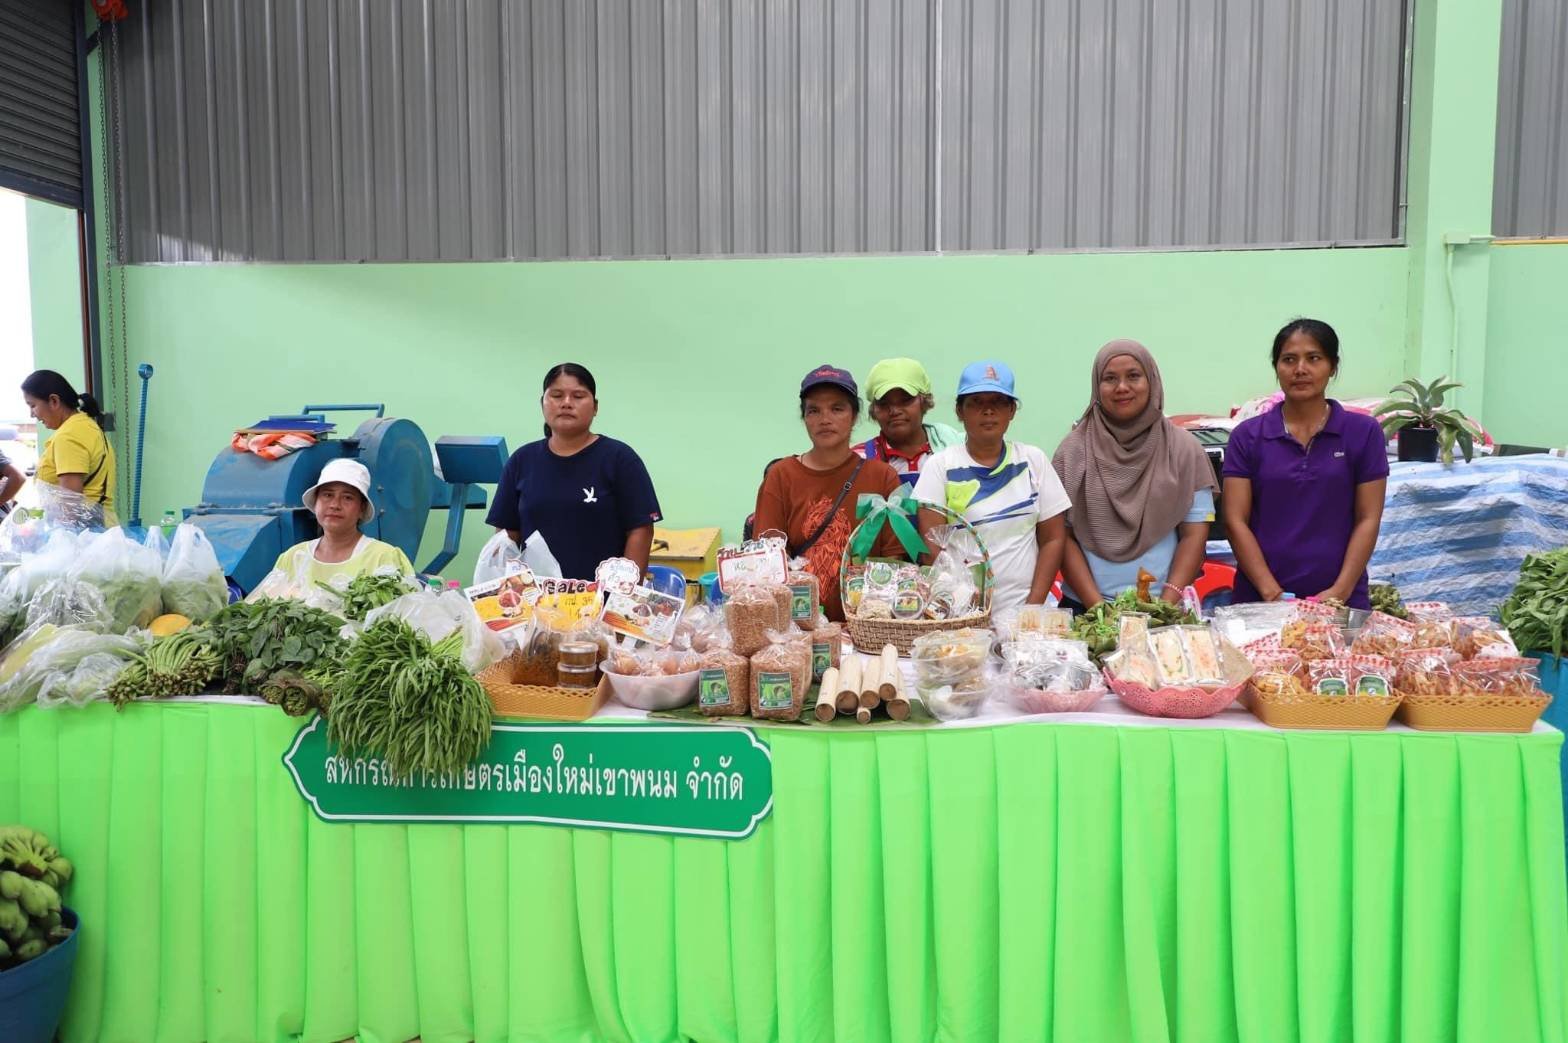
(910, 593)
(724, 683)
(1433, 633)
(1480, 638)
(1203, 655)
(1134, 666)
(752, 611)
(781, 676)
(1277, 679)
(805, 596)
(1171, 664)
(1498, 676)
(1312, 639)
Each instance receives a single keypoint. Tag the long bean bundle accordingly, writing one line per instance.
(411, 702)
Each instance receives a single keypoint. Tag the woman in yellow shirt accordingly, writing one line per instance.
(77, 457)
(341, 502)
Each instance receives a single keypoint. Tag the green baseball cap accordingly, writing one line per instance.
(897, 373)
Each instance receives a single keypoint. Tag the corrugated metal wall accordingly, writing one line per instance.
(40, 129)
(1530, 180)
(483, 129)
(1117, 123)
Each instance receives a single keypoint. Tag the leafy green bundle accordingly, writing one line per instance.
(1536, 613)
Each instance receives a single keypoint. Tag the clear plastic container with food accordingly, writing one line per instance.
(1203, 654)
(949, 656)
(1134, 666)
(956, 701)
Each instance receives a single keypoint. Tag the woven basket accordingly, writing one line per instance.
(1473, 713)
(1332, 712)
(532, 700)
(870, 635)
(1186, 703)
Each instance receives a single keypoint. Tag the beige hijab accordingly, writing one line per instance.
(1131, 484)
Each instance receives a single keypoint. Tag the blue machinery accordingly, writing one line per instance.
(251, 508)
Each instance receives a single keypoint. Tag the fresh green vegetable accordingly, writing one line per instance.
(298, 694)
(196, 599)
(368, 592)
(1536, 613)
(1100, 627)
(180, 664)
(255, 640)
(1385, 598)
(414, 703)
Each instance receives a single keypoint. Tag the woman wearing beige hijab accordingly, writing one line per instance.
(1142, 489)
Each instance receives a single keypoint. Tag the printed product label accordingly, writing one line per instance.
(1372, 684)
(713, 687)
(800, 606)
(774, 691)
(1333, 686)
(821, 659)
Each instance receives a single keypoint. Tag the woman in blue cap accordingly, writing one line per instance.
(1007, 490)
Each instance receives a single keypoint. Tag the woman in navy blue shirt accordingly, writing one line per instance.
(589, 496)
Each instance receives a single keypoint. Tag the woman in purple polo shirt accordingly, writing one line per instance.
(1304, 482)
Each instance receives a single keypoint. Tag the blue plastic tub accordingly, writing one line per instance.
(1554, 681)
(32, 996)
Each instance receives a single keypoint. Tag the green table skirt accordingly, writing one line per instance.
(1029, 882)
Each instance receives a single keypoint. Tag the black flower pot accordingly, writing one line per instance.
(1418, 444)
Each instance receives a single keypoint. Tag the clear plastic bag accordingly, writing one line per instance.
(500, 557)
(439, 615)
(193, 583)
(43, 510)
(296, 583)
(87, 681)
(67, 602)
(47, 656)
(126, 573)
(37, 570)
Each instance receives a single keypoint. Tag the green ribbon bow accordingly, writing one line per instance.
(896, 512)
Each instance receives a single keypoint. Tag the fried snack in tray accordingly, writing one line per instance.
(1312, 639)
(1279, 684)
(1514, 676)
(1433, 633)
(1383, 635)
(1429, 671)
(1480, 638)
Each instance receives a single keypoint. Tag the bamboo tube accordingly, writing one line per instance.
(890, 672)
(849, 683)
(871, 684)
(863, 715)
(827, 695)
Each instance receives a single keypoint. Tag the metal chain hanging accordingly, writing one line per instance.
(113, 329)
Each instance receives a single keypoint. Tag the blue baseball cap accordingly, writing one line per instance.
(986, 376)
(826, 374)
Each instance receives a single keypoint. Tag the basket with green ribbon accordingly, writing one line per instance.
(942, 581)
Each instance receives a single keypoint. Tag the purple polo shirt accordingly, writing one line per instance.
(1304, 499)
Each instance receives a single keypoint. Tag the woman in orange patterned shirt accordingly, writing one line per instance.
(810, 498)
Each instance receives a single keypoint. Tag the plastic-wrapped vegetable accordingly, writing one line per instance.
(126, 573)
(193, 583)
(24, 581)
(48, 659)
(438, 615)
(42, 511)
(67, 602)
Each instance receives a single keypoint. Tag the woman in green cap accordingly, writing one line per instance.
(900, 395)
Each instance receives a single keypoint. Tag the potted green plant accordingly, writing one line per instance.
(1426, 428)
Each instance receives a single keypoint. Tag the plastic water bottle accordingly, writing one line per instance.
(169, 523)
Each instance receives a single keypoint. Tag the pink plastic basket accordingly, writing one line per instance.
(1188, 703)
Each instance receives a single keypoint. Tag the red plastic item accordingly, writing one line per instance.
(110, 10)
(1213, 579)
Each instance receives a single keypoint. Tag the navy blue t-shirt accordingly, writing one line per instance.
(583, 505)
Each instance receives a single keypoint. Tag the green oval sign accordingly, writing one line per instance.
(685, 780)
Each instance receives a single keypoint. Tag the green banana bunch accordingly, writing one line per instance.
(179, 664)
(28, 853)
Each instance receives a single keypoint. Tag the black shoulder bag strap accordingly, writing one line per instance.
(811, 541)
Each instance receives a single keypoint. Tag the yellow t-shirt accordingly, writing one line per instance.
(369, 556)
(79, 447)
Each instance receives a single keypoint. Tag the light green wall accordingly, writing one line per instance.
(698, 362)
(1527, 345)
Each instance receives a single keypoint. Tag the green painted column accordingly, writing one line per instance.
(1453, 139)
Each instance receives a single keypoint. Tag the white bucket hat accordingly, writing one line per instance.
(346, 472)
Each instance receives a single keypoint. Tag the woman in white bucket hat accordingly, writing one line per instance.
(341, 502)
